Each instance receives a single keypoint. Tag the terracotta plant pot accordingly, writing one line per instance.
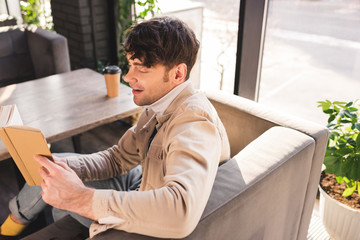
(340, 221)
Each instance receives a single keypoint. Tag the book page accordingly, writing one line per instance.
(9, 115)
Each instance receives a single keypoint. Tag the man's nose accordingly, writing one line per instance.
(129, 77)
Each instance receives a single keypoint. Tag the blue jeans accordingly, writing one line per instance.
(28, 204)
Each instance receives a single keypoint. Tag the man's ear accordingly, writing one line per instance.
(180, 73)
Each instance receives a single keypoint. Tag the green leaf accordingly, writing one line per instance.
(357, 126)
(350, 115)
(344, 151)
(340, 103)
(330, 160)
(354, 172)
(333, 165)
(348, 191)
(346, 167)
(329, 111)
(331, 118)
(347, 104)
(346, 180)
(330, 151)
(334, 134)
(350, 141)
(353, 109)
(345, 121)
(339, 179)
(324, 105)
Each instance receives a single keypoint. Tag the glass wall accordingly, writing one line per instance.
(219, 43)
(215, 23)
(311, 53)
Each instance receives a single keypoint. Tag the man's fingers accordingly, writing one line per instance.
(43, 172)
(51, 168)
(46, 163)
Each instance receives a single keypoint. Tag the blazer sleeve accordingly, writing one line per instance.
(109, 163)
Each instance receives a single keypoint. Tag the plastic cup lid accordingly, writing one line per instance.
(112, 69)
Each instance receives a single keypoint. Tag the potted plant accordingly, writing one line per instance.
(340, 182)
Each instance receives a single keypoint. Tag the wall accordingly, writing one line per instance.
(88, 26)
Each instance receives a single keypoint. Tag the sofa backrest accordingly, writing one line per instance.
(30, 52)
(241, 127)
(15, 60)
(48, 51)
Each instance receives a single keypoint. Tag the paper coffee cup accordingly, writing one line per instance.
(112, 79)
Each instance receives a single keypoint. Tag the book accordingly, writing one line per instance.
(23, 143)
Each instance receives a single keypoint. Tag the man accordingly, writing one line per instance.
(174, 150)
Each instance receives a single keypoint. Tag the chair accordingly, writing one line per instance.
(29, 52)
(268, 189)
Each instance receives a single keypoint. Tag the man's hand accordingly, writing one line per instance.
(63, 189)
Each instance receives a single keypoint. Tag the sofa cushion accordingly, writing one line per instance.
(6, 48)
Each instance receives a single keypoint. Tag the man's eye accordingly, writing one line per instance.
(143, 69)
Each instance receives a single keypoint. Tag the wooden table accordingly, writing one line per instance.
(67, 104)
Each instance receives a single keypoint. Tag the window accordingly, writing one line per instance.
(311, 53)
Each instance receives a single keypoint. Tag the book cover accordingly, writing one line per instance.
(23, 143)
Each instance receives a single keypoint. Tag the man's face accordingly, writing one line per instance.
(148, 84)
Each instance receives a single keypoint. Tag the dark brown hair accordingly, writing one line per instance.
(163, 40)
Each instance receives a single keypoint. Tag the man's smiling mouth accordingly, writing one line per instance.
(137, 91)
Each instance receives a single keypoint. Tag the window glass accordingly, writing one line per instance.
(215, 23)
(311, 53)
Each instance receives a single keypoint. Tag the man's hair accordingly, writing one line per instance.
(163, 40)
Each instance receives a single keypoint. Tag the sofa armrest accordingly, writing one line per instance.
(49, 51)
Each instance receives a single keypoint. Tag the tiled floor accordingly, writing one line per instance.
(316, 229)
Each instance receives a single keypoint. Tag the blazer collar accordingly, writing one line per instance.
(183, 95)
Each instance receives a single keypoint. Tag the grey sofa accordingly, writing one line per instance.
(29, 52)
(266, 191)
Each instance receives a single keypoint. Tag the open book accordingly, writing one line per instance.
(23, 143)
